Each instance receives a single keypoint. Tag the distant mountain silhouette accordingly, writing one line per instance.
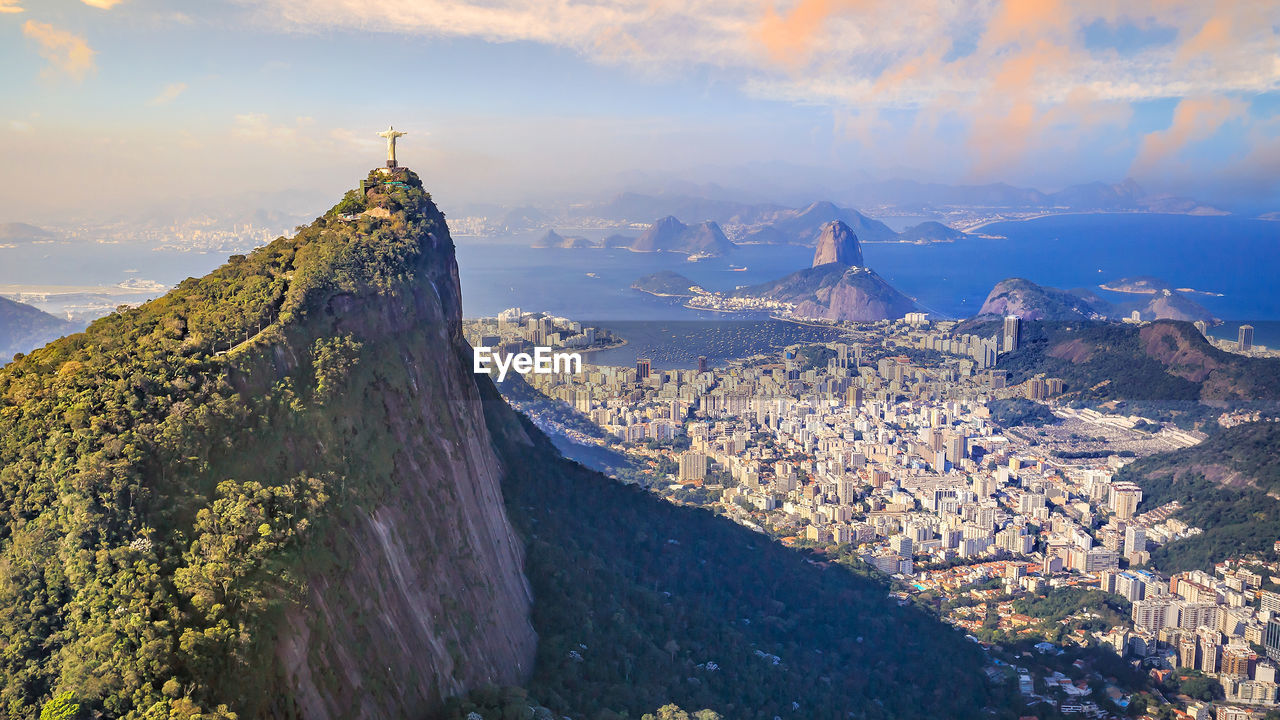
(803, 227)
(670, 235)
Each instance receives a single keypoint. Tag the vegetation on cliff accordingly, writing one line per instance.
(1227, 486)
(173, 475)
(1165, 369)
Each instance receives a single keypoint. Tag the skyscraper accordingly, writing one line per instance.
(1012, 332)
(702, 363)
(1244, 339)
(643, 367)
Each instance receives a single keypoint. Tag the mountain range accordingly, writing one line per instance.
(718, 204)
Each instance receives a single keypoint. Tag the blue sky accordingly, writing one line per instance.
(519, 100)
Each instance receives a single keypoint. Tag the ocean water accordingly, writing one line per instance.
(1235, 259)
(672, 344)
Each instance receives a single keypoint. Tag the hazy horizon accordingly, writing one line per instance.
(119, 107)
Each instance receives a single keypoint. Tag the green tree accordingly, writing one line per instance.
(61, 707)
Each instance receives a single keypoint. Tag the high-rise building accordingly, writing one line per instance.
(702, 364)
(1124, 499)
(1244, 338)
(1153, 614)
(1271, 639)
(854, 397)
(693, 466)
(1135, 540)
(643, 368)
(1012, 332)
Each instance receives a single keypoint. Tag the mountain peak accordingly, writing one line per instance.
(837, 243)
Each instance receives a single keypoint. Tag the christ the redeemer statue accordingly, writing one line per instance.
(391, 134)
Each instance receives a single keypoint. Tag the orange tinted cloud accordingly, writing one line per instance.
(786, 38)
(64, 50)
(1006, 118)
(10, 6)
(102, 4)
(1214, 35)
(1194, 119)
(1019, 19)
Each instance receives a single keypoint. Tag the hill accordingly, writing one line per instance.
(665, 283)
(553, 239)
(17, 232)
(1021, 297)
(1157, 301)
(930, 231)
(279, 491)
(23, 328)
(1165, 364)
(1228, 487)
(670, 235)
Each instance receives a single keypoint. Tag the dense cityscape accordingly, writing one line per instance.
(990, 501)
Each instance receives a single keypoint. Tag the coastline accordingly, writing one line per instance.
(614, 346)
(1043, 215)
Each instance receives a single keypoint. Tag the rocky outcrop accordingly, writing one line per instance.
(433, 600)
(837, 244)
(670, 235)
(834, 291)
(1029, 301)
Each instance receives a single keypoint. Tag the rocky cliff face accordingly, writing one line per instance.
(1017, 296)
(835, 291)
(433, 600)
(283, 500)
(837, 244)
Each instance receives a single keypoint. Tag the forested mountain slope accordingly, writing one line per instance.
(306, 525)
